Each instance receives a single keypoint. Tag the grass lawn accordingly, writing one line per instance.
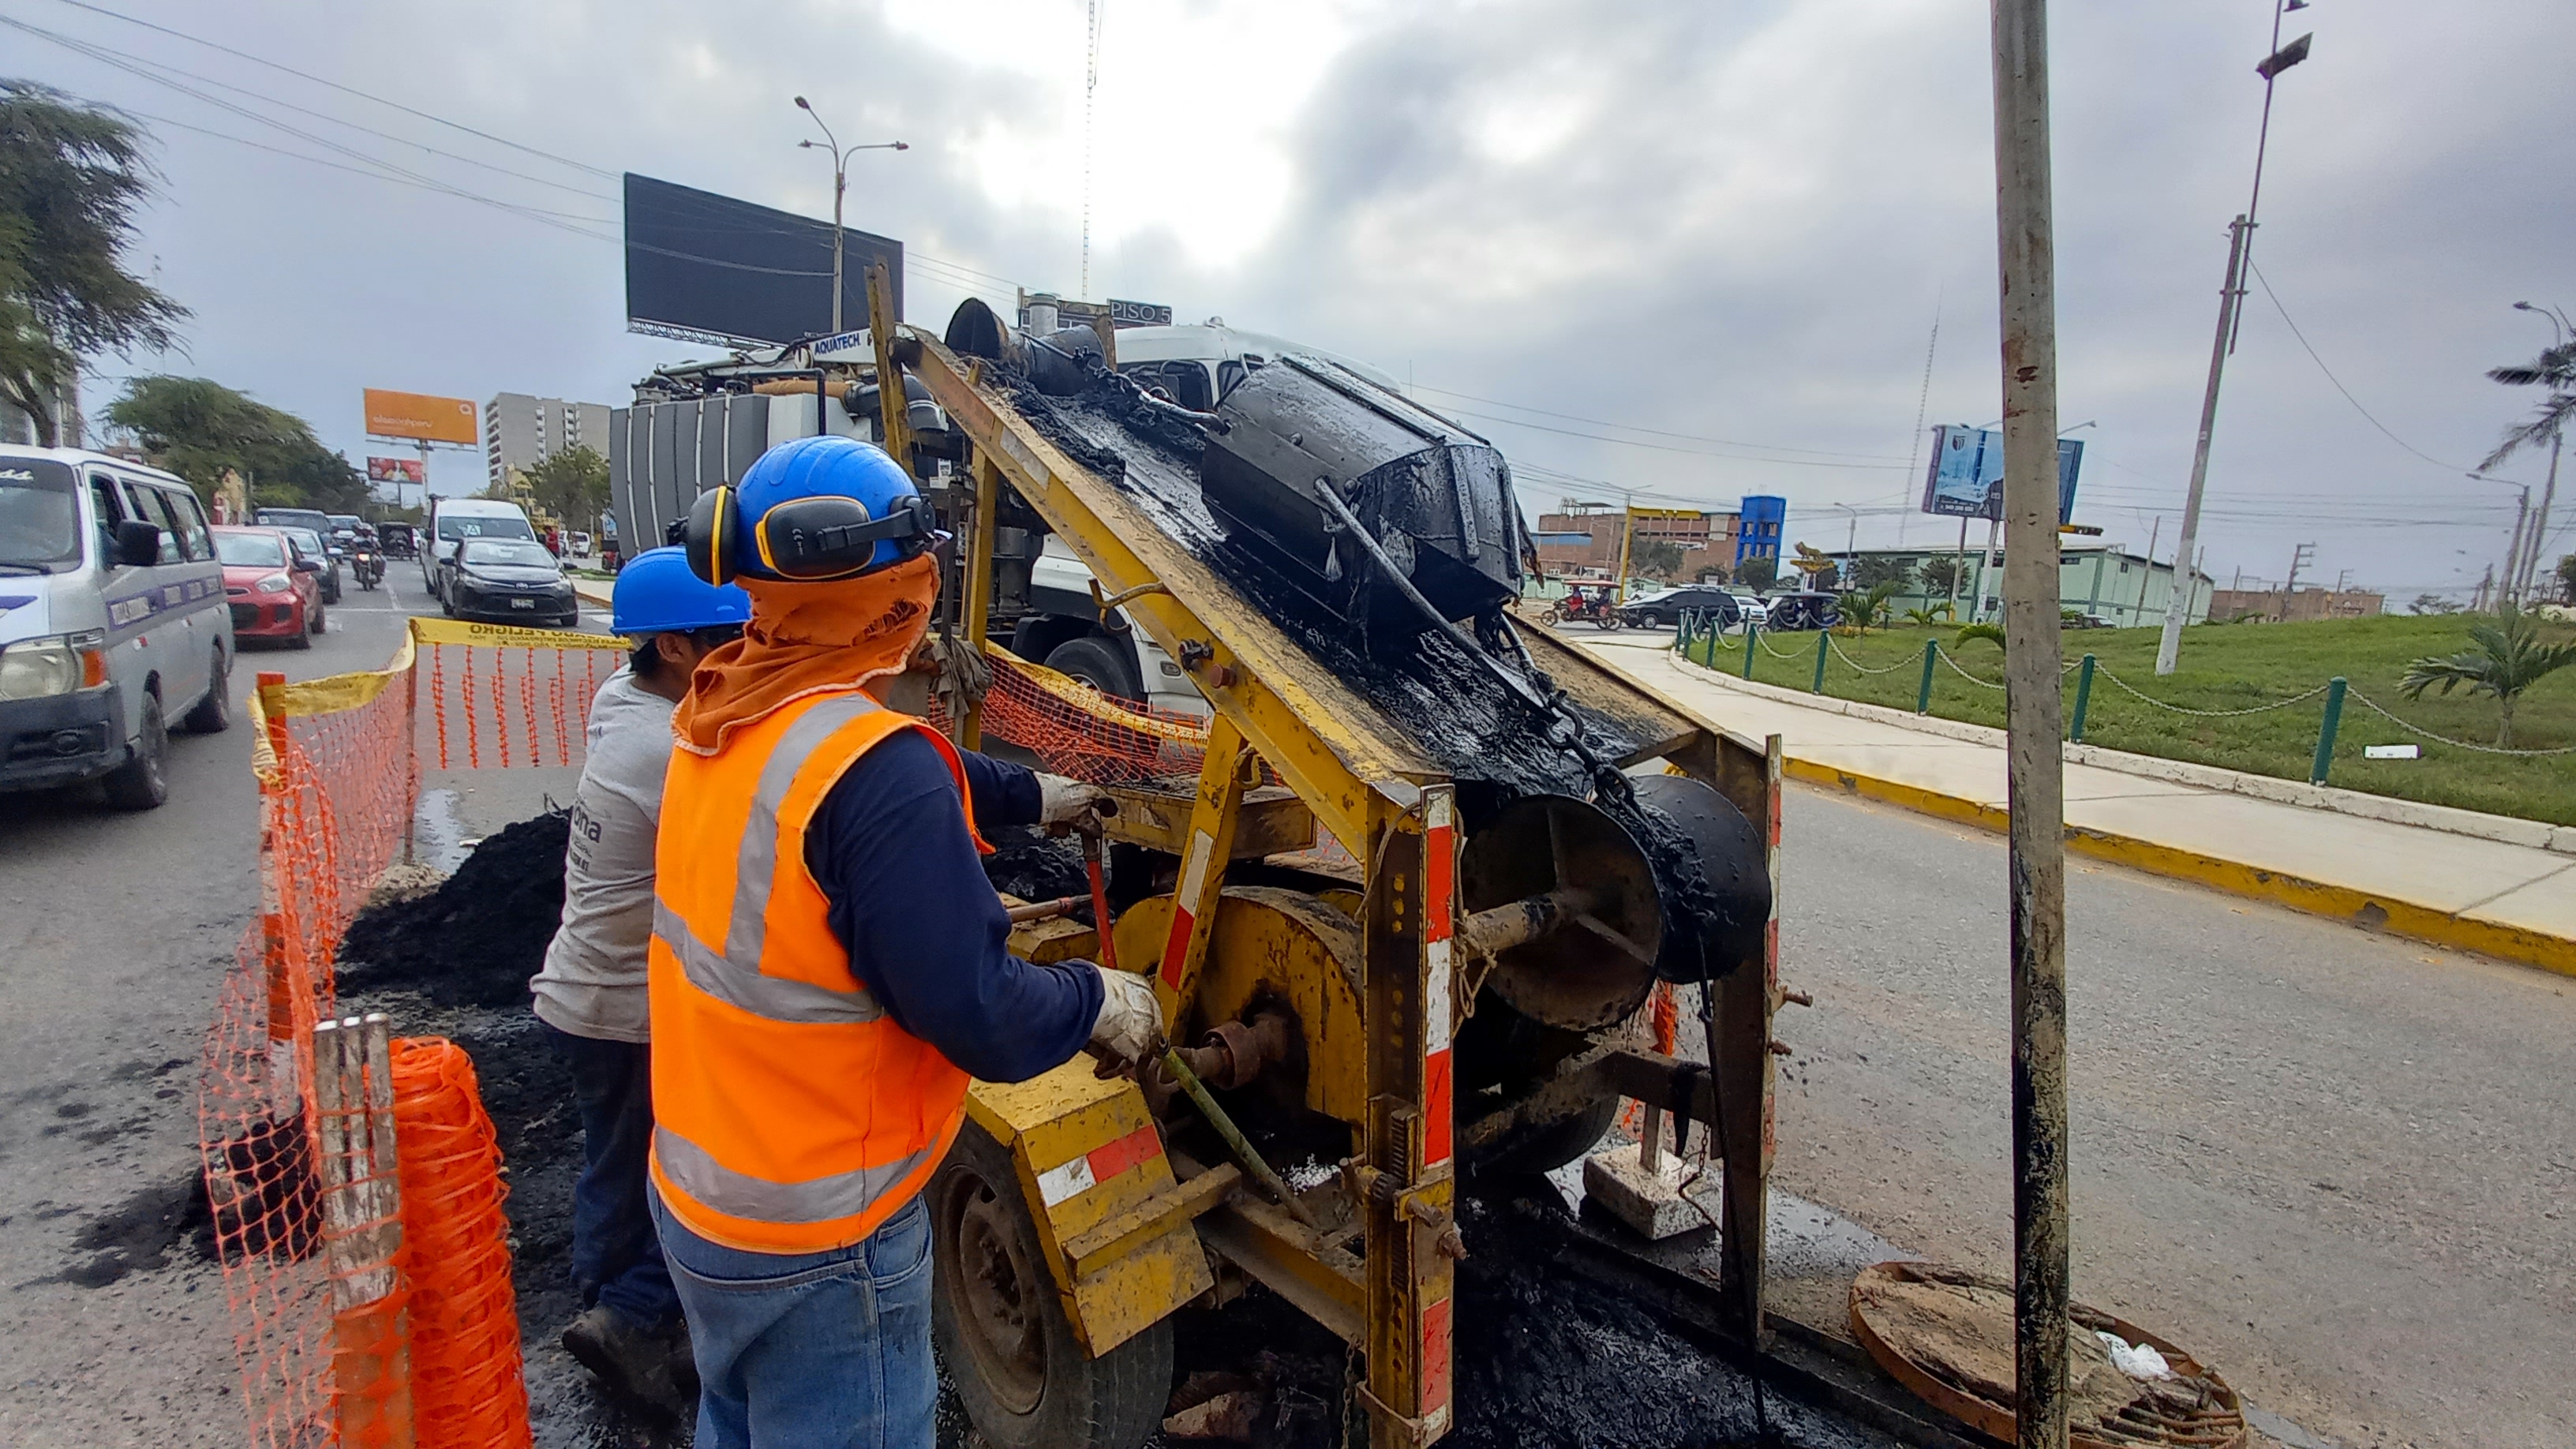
(2239, 666)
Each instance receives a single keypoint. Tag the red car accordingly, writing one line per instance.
(271, 584)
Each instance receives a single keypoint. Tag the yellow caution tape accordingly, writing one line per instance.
(509, 636)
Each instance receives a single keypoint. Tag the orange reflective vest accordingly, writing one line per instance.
(791, 1115)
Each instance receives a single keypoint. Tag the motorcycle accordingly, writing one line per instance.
(1580, 604)
(370, 568)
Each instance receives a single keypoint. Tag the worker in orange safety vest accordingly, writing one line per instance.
(828, 965)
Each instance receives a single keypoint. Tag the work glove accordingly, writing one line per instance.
(1130, 1019)
(1062, 801)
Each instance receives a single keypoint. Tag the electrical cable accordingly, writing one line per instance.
(2338, 382)
(1658, 432)
(335, 165)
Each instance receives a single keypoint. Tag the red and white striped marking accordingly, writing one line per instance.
(1099, 1165)
(1435, 1365)
(1439, 902)
(1176, 946)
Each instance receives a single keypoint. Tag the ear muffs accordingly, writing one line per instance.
(814, 540)
(711, 549)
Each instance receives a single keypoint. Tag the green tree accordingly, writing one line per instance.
(572, 485)
(197, 428)
(1760, 571)
(2555, 371)
(1871, 570)
(1866, 609)
(1650, 558)
(2432, 604)
(1942, 574)
(71, 176)
(2504, 658)
(1930, 616)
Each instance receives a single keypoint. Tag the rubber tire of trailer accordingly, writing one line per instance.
(1095, 662)
(1110, 1402)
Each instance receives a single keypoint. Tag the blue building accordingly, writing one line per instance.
(1757, 532)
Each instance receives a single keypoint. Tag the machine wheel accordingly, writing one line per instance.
(1548, 1145)
(141, 783)
(1094, 663)
(214, 713)
(1001, 1325)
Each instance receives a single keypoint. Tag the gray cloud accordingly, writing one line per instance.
(1725, 220)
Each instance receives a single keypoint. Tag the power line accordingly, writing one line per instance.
(1657, 432)
(2338, 382)
(334, 165)
(1667, 448)
(343, 89)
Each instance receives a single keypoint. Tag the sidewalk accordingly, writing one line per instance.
(2512, 900)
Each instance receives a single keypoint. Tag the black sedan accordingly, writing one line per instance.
(511, 581)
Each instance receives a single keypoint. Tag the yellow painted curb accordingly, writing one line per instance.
(2361, 908)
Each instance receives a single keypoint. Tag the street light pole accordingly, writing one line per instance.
(2240, 258)
(840, 187)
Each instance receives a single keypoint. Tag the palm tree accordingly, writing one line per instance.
(1991, 633)
(1930, 616)
(2505, 659)
(2554, 369)
(1866, 609)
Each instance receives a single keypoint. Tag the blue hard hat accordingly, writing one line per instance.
(825, 467)
(657, 594)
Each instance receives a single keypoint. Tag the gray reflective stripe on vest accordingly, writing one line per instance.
(733, 976)
(740, 984)
(817, 1200)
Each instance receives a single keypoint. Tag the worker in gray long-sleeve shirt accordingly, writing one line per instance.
(590, 994)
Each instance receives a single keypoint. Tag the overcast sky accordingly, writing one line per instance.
(1719, 231)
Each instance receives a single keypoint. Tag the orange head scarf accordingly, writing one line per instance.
(807, 639)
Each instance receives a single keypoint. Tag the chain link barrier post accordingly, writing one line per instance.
(2326, 731)
(1822, 639)
(1923, 692)
(2083, 701)
(1752, 634)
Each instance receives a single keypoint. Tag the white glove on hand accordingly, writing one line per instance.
(1130, 1018)
(1061, 800)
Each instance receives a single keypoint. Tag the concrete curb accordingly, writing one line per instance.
(592, 591)
(2361, 908)
(2504, 829)
(2345, 903)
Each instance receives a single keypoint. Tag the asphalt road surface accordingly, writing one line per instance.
(115, 933)
(2335, 1164)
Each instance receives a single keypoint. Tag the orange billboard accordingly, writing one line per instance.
(420, 417)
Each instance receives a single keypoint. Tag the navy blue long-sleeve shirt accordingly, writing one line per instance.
(926, 935)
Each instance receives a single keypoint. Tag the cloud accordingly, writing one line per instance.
(1726, 221)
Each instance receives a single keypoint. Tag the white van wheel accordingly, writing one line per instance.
(140, 783)
(214, 713)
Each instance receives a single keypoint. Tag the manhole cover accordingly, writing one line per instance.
(1947, 1334)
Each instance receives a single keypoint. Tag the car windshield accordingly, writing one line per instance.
(251, 550)
(305, 539)
(493, 526)
(507, 552)
(39, 516)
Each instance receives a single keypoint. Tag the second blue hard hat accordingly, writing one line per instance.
(657, 593)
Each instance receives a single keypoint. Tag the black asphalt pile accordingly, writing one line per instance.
(1035, 866)
(477, 939)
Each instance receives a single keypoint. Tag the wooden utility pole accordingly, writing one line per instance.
(2034, 720)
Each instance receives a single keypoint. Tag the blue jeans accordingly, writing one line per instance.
(810, 1350)
(615, 1257)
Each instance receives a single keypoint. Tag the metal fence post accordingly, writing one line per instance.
(1752, 632)
(2326, 732)
(2083, 697)
(1923, 695)
(1824, 637)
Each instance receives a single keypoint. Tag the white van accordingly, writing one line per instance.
(113, 623)
(454, 520)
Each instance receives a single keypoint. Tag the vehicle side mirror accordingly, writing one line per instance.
(138, 544)
(307, 566)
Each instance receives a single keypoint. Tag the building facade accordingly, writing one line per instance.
(1759, 519)
(2104, 580)
(2303, 604)
(521, 431)
(1585, 538)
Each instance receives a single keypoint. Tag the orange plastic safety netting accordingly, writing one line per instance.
(1079, 731)
(466, 1385)
(339, 763)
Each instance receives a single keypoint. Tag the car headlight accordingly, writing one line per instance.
(276, 584)
(54, 664)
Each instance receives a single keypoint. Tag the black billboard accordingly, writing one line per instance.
(708, 268)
